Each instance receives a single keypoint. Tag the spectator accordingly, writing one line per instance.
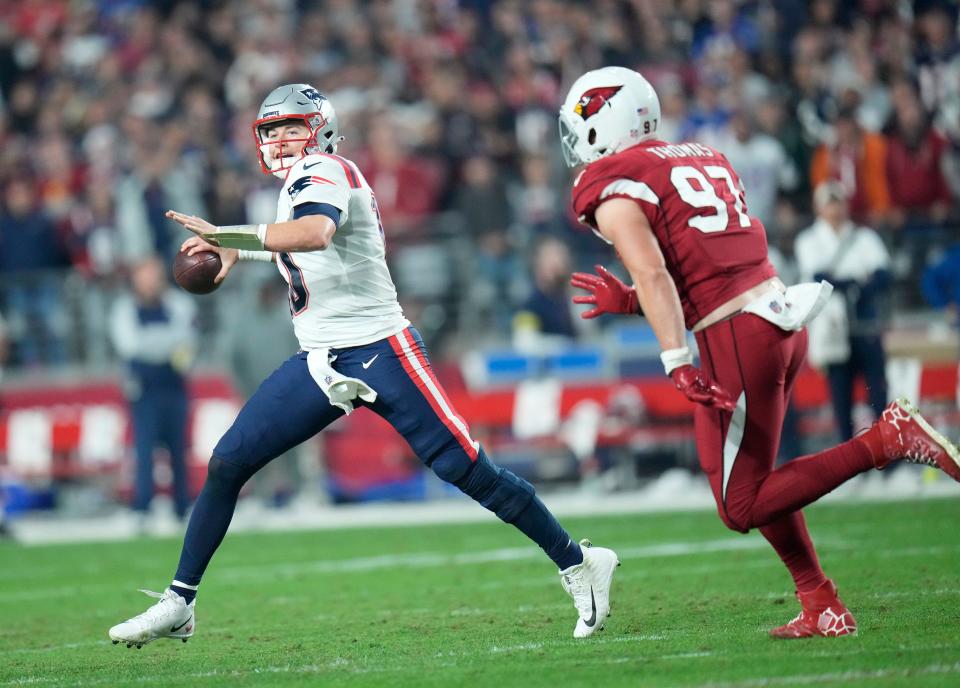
(30, 250)
(941, 289)
(760, 161)
(673, 108)
(407, 186)
(781, 237)
(812, 104)
(162, 178)
(547, 310)
(481, 202)
(537, 207)
(772, 120)
(855, 76)
(152, 330)
(915, 159)
(938, 64)
(726, 26)
(918, 189)
(855, 158)
(707, 114)
(481, 199)
(941, 283)
(845, 338)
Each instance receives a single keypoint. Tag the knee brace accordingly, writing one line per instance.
(497, 489)
(225, 476)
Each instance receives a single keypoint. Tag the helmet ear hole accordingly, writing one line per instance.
(592, 136)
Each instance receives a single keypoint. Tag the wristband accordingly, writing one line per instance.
(257, 256)
(674, 358)
(246, 237)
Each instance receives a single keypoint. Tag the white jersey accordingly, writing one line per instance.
(342, 296)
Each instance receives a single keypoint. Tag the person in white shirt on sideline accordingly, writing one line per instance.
(846, 340)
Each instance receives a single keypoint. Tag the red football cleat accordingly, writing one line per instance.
(905, 434)
(823, 614)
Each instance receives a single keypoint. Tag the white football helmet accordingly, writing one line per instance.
(296, 102)
(607, 110)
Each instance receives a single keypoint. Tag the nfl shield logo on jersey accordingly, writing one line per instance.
(775, 307)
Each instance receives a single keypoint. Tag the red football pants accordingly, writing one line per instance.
(757, 364)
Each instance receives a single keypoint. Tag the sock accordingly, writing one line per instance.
(538, 524)
(789, 537)
(210, 519)
(187, 592)
(874, 443)
(804, 480)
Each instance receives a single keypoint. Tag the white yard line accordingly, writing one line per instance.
(273, 571)
(438, 559)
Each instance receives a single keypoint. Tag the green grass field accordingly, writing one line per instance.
(477, 605)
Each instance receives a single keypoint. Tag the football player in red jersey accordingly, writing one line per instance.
(678, 219)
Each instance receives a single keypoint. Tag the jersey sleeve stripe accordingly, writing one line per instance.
(631, 188)
(404, 347)
(352, 178)
(354, 174)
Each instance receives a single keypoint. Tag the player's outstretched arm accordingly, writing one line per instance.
(308, 233)
(608, 293)
(622, 222)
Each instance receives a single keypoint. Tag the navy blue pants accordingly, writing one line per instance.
(866, 359)
(160, 418)
(289, 407)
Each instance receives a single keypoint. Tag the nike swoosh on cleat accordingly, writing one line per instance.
(177, 628)
(369, 363)
(593, 616)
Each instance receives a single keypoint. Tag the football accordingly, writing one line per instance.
(196, 273)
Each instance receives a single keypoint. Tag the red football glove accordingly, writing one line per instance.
(607, 293)
(699, 388)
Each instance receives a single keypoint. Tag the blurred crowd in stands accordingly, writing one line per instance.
(113, 111)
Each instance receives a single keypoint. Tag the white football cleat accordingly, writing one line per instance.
(171, 617)
(588, 584)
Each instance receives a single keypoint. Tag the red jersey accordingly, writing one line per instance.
(695, 204)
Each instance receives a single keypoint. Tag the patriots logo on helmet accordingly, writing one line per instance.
(594, 99)
(315, 96)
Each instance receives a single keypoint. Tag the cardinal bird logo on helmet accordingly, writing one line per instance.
(594, 99)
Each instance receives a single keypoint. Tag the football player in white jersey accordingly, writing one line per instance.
(357, 348)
